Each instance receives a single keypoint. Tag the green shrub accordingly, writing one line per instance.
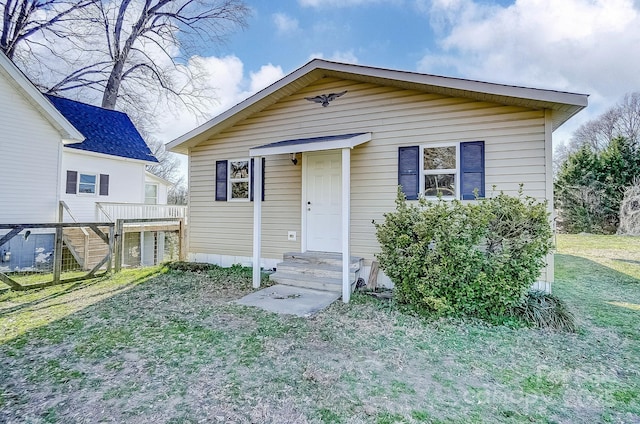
(590, 185)
(191, 266)
(545, 310)
(474, 258)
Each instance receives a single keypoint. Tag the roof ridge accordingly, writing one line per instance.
(86, 104)
(418, 73)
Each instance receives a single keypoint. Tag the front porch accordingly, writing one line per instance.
(325, 212)
(316, 270)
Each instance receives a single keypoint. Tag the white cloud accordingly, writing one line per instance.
(225, 77)
(338, 56)
(285, 23)
(267, 75)
(587, 46)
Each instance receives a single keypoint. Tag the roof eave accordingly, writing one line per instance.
(68, 132)
(158, 179)
(247, 107)
(72, 149)
(564, 104)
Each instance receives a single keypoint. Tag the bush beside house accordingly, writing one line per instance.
(474, 258)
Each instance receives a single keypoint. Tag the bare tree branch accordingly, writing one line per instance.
(129, 26)
(21, 19)
(622, 120)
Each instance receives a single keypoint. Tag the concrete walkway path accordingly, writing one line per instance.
(290, 300)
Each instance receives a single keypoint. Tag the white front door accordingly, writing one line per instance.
(322, 203)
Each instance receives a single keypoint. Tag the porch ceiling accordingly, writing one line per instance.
(312, 144)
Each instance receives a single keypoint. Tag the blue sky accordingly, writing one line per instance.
(584, 46)
(288, 33)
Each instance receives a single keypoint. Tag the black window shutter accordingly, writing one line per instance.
(472, 169)
(104, 185)
(251, 183)
(408, 171)
(221, 180)
(72, 182)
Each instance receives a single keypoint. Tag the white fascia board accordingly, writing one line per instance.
(15, 76)
(107, 156)
(152, 177)
(459, 85)
(311, 147)
(174, 145)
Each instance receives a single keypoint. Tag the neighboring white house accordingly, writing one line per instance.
(31, 145)
(33, 135)
(107, 167)
(326, 148)
(56, 151)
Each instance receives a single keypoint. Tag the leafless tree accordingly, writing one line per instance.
(169, 164)
(22, 19)
(169, 169)
(141, 45)
(622, 120)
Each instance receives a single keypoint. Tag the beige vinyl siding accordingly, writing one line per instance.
(29, 156)
(226, 227)
(514, 153)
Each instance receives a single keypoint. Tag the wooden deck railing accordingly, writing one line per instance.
(106, 211)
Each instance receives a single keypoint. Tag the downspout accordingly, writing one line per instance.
(57, 208)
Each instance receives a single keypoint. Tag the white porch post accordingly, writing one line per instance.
(257, 219)
(346, 208)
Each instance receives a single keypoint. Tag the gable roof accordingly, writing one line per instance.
(563, 105)
(148, 176)
(19, 81)
(107, 131)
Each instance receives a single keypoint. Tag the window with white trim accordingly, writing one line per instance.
(239, 179)
(440, 170)
(453, 170)
(87, 183)
(151, 194)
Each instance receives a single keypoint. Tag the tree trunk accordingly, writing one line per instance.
(110, 95)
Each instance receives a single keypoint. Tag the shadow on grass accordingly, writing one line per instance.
(72, 288)
(628, 261)
(31, 310)
(599, 292)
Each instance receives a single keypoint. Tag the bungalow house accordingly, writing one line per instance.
(64, 160)
(292, 177)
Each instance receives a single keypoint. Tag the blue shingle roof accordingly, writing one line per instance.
(106, 131)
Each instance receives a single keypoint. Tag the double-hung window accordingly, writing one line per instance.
(440, 172)
(239, 179)
(151, 194)
(449, 170)
(87, 183)
(234, 180)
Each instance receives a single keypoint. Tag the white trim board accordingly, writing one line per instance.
(563, 104)
(16, 78)
(307, 145)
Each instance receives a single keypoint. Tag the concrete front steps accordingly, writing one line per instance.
(315, 270)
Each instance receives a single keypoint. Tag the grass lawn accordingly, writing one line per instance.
(168, 347)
